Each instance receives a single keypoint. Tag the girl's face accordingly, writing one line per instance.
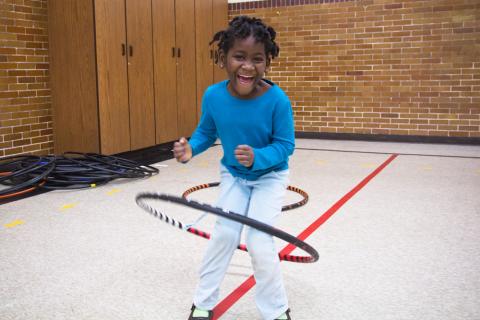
(246, 63)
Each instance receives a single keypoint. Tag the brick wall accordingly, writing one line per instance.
(386, 67)
(25, 108)
(363, 67)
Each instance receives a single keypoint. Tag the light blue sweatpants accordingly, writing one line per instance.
(261, 200)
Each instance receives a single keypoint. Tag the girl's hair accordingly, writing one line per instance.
(242, 27)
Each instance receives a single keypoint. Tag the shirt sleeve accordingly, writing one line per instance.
(206, 132)
(283, 139)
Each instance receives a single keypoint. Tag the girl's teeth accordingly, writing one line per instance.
(244, 79)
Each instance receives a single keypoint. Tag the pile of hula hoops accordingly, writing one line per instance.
(23, 174)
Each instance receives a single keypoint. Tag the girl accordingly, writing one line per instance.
(253, 119)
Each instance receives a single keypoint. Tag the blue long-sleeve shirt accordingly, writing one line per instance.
(265, 123)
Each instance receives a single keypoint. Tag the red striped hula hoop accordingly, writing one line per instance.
(284, 208)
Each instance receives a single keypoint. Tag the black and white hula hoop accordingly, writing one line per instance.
(141, 201)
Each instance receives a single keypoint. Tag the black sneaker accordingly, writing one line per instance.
(288, 314)
(191, 317)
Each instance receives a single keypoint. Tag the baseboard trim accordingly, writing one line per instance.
(387, 138)
(147, 156)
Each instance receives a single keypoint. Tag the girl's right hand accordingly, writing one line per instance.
(182, 151)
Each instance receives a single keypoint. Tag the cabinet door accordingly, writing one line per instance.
(164, 53)
(73, 75)
(203, 35)
(140, 73)
(186, 73)
(112, 76)
(220, 22)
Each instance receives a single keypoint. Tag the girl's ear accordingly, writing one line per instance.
(222, 59)
(267, 69)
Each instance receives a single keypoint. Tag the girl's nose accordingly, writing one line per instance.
(247, 65)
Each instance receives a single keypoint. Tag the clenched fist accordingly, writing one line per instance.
(244, 155)
(182, 151)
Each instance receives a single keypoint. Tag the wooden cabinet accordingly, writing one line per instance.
(175, 74)
(219, 22)
(73, 76)
(125, 73)
(187, 68)
(210, 16)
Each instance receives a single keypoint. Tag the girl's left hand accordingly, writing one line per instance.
(244, 155)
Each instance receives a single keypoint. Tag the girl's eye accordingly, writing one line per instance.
(258, 60)
(239, 57)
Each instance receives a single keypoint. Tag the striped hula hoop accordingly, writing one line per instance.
(284, 208)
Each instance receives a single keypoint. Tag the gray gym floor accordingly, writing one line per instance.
(398, 238)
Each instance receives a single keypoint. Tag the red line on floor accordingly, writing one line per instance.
(235, 295)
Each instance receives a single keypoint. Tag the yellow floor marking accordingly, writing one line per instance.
(113, 191)
(183, 170)
(368, 165)
(321, 162)
(478, 171)
(427, 168)
(68, 206)
(14, 223)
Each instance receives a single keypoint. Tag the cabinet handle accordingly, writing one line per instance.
(173, 52)
(123, 49)
(130, 51)
(178, 52)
